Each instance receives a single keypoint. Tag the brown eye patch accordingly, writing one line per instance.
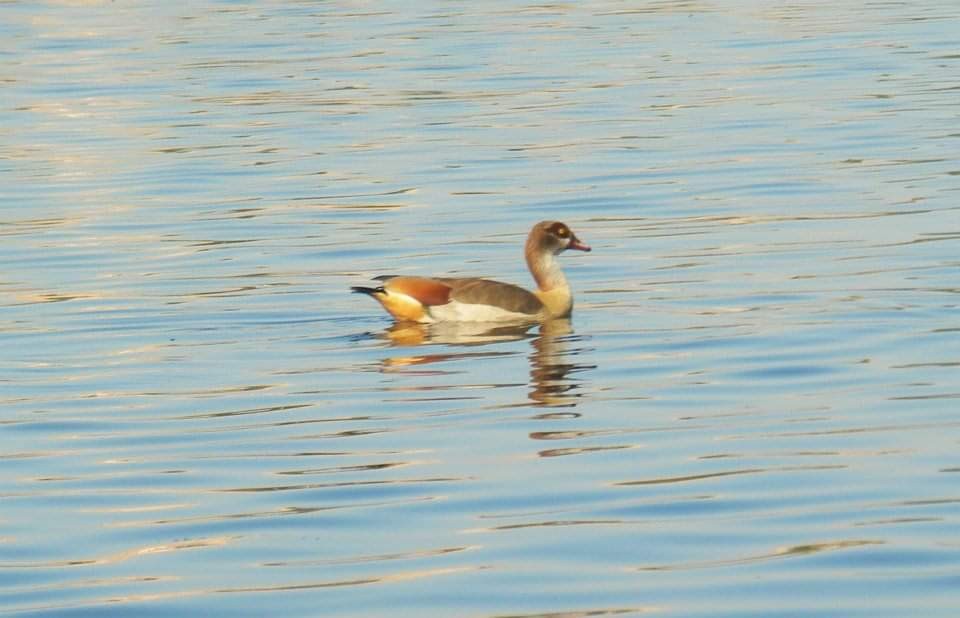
(560, 230)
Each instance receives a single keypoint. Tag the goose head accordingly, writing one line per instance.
(553, 238)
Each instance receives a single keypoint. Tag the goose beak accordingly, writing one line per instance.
(577, 245)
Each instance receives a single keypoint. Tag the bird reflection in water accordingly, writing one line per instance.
(550, 359)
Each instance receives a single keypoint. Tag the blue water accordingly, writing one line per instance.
(751, 413)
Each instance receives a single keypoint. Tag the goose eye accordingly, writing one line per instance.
(561, 230)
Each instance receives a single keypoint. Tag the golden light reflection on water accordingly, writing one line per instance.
(386, 578)
(795, 551)
(287, 511)
(588, 613)
(425, 553)
(130, 554)
(727, 473)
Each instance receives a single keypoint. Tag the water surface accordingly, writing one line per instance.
(751, 413)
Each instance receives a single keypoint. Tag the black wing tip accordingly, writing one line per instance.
(358, 289)
(384, 277)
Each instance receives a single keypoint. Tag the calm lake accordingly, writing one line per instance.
(753, 411)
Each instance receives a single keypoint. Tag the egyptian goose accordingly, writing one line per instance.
(427, 300)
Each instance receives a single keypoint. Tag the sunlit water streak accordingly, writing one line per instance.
(752, 412)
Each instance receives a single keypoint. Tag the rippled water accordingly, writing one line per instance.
(752, 413)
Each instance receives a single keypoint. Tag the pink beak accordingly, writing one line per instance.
(576, 244)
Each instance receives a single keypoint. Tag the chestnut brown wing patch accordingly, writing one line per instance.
(429, 292)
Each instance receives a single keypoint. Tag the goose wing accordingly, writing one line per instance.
(433, 292)
(506, 296)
